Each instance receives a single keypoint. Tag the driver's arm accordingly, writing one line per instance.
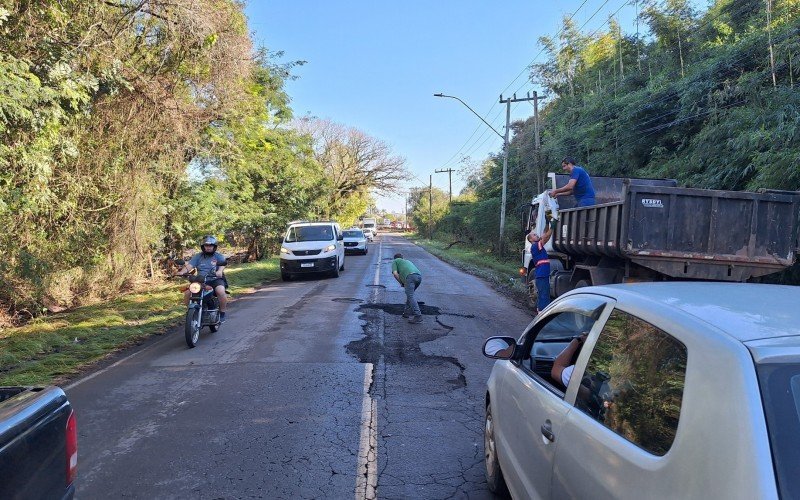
(186, 269)
(564, 359)
(220, 271)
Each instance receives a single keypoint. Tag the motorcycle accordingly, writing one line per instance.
(203, 309)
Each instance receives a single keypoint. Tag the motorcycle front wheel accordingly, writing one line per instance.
(192, 327)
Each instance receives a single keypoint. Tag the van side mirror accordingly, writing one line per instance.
(341, 237)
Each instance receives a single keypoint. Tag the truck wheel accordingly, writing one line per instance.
(286, 277)
(191, 328)
(494, 476)
(583, 283)
(533, 293)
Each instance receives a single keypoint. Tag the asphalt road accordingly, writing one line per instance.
(316, 388)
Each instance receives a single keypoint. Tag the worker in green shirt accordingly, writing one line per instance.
(410, 278)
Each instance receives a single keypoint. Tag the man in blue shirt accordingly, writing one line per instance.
(541, 261)
(579, 185)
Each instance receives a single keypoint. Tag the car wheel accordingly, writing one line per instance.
(286, 277)
(366, 251)
(533, 292)
(336, 269)
(494, 476)
(342, 266)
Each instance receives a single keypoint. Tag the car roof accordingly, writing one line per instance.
(295, 224)
(745, 311)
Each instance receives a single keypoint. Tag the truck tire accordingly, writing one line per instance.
(583, 283)
(286, 277)
(533, 293)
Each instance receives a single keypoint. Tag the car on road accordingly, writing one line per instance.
(677, 390)
(355, 241)
(312, 247)
(38, 443)
(369, 233)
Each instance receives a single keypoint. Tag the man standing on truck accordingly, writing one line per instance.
(542, 262)
(579, 185)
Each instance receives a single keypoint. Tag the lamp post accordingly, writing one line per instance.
(505, 159)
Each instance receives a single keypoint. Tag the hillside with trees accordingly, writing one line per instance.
(711, 99)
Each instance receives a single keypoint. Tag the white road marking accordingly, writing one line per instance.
(367, 473)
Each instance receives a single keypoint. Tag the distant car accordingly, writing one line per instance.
(355, 241)
(312, 247)
(369, 233)
(680, 390)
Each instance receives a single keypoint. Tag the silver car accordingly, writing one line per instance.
(355, 241)
(673, 390)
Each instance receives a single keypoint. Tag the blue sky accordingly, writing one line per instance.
(376, 65)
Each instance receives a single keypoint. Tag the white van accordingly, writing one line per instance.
(312, 247)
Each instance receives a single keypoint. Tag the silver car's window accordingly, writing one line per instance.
(551, 338)
(780, 390)
(633, 382)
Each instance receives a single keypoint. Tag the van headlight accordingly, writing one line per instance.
(330, 248)
(285, 250)
(194, 287)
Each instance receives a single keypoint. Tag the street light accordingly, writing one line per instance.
(505, 158)
(439, 94)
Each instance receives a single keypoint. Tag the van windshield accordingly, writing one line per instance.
(780, 391)
(353, 234)
(309, 233)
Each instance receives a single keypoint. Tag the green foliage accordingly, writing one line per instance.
(694, 102)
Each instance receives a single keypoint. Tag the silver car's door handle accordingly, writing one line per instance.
(547, 432)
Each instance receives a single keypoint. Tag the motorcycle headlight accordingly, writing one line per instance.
(285, 250)
(330, 248)
(194, 287)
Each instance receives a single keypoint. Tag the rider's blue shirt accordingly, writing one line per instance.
(207, 264)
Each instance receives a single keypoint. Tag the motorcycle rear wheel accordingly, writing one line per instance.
(192, 327)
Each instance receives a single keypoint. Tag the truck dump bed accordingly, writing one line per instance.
(687, 233)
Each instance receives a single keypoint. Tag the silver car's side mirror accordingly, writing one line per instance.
(499, 347)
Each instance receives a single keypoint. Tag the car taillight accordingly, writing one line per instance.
(72, 448)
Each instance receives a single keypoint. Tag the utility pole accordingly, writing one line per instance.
(430, 208)
(449, 179)
(506, 147)
(405, 219)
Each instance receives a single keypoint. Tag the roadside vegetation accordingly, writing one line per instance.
(58, 346)
(130, 129)
(710, 98)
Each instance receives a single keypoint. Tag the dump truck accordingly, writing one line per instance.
(653, 230)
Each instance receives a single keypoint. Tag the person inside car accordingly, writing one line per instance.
(209, 261)
(562, 365)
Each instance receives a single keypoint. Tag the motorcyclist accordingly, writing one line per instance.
(207, 262)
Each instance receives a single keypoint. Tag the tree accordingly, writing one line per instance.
(355, 164)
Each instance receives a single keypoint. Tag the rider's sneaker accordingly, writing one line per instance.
(222, 317)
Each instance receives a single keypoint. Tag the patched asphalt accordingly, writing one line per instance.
(271, 406)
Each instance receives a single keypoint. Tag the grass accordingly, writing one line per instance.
(51, 349)
(503, 274)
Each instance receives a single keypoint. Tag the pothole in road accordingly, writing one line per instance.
(402, 346)
(349, 300)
